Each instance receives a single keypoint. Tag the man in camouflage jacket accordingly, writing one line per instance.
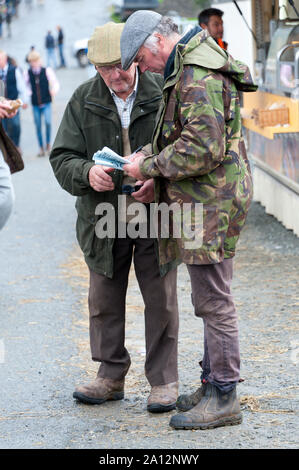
(198, 158)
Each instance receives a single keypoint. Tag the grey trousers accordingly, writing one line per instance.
(213, 302)
(107, 301)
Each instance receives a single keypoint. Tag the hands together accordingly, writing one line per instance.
(100, 180)
(132, 169)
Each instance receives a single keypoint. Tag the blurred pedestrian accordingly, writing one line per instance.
(60, 42)
(1, 23)
(6, 187)
(8, 19)
(6, 190)
(211, 19)
(42, 85)
(32, 48)
(50, 47)
(29, 4)
(15, 88)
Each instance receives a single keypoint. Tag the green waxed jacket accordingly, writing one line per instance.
(198, 153)
(89, 123)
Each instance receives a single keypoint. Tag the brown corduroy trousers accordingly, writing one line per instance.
(107, 302)
(213, 302)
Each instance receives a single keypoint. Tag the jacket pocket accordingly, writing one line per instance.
(85, 231)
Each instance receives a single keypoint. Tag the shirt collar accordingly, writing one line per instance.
(36, 70)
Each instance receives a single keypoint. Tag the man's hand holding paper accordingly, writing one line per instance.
(99, 179)
(132, 168)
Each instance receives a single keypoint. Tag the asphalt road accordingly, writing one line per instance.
(44, 345)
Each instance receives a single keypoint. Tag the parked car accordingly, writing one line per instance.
(80, 52)
(129, 6)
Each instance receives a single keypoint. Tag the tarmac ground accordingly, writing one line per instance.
(44, 338)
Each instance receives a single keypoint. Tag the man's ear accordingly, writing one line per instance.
(161, 38)
(203, 26)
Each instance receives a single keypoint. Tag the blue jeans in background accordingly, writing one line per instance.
(12, 127)
(51, 57)
(62, 61)
(38, 112)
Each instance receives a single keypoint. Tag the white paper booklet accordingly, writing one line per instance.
(108, 157)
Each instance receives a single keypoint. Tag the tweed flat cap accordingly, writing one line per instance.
(138, 27)
(104, 44)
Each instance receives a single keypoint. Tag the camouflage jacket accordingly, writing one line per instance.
(198, 157)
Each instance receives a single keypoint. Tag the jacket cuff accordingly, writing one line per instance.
(147, 150)
(86, 168)
(147, 167)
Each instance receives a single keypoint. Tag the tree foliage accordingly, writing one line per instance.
(202, 3)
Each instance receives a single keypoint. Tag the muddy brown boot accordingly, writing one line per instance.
(186, 402)
(214, 409)
(100, 390)
(162, 398)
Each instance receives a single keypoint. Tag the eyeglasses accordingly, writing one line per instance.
(110, 68)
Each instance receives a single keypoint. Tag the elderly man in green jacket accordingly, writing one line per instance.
(117, 109)
(198, 161)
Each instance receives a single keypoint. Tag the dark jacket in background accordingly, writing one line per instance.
(50, 41)
(40, 87)
(11, 83)
(60, 37)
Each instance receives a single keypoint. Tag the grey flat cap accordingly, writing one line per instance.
(138, 27)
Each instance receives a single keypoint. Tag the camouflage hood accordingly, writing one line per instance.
(202, 50)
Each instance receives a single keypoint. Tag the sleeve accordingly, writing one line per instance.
(53, 81)
(6, 192)
(27, 83)
(69, 158)
(22, 87)
(196, 114)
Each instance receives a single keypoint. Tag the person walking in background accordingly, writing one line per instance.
(8, 19)
(50, 47)
(6, 190)
(15, 88)
(60, 42)
(29, 4)
(43, 85)
(211, 19)
(32, 48)
(6, 187)
(1, 23)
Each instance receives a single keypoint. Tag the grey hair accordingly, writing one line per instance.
(166, 28)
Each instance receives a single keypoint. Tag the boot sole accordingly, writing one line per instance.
(159, 408)
(97, 401)
(228, 421)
